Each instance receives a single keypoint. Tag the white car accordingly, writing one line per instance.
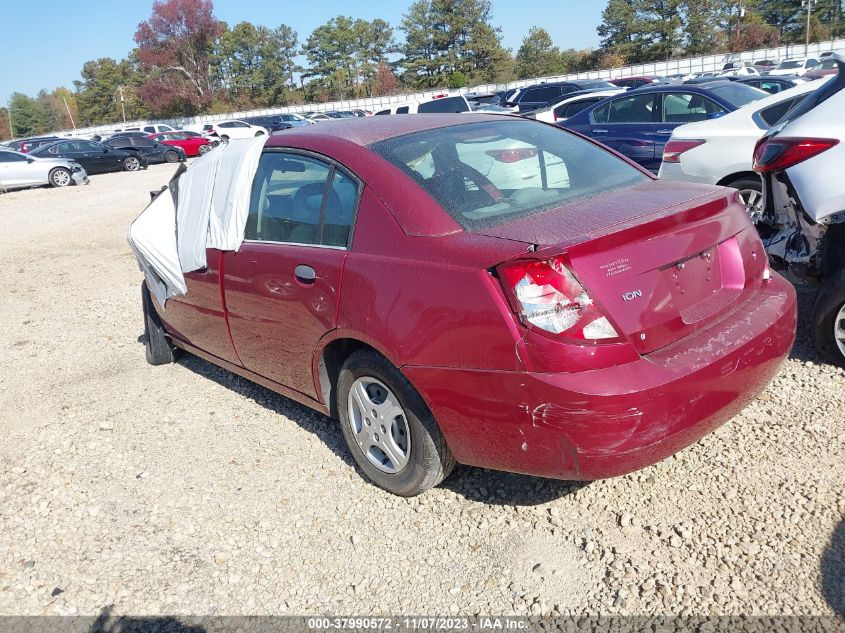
(19, 171)
(156, 128)
(235, 129)
(721, 151)
(738, 69)
(452, 104)
(801, 161)
(567, 106)
(794, 66)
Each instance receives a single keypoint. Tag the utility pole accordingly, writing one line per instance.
(809, 5)
(11, 129)
(70, 116)
(122, 106)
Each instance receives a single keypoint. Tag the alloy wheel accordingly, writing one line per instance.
(132, 164)
(203, 149)
(752, 200)
(61, 178)
(839, 329)
(379, 425)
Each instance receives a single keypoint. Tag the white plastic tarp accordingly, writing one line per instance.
(206, 207)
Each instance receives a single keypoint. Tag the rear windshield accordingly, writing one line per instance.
(738, 94)
(791, 64)
(596, 85)
(446, 104)
(488, 173)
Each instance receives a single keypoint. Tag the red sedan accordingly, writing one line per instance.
(194, 144)
(486, 290)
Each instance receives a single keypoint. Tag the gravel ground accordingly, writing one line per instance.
(187, 490)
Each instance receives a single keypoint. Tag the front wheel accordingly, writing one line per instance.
(203, 149)
(60, 177)
(259, 133)
(391, 434)
(829, 318)
(131, 163)
(171, 157)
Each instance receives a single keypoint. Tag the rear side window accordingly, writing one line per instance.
(402, 110)
(633, 109)
(301, 200)
(775, 113)
(484, 174)
(738, 94)
(571, 109)
(540, 95)
(447, 104)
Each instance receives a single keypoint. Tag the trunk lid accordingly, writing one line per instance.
(662, 259)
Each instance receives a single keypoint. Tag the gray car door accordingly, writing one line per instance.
(17, 171)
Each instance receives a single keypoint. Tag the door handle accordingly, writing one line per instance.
(664, 131)
(305, 274)
(599, 131)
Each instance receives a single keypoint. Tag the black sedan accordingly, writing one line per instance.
(771, 84)
(96, 158)
(153, 151)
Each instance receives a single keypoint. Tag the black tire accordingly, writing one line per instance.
(430, 460)
(60, 177)
(827, 311)
(224, 138)
(159, 350)
(203, 149)
(750, 184)
(259, 133)
(171, 157)
(131, 163)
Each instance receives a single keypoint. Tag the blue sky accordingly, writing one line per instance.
(43, 43)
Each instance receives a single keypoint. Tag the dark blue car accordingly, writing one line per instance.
(638, 123)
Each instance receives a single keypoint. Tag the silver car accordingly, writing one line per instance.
(18, 171)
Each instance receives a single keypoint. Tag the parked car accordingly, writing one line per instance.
(721, 151)
(95, 157)
(738, 69)
(772, 85)
(794, 66)
(152, 151)
(802, 224)
(452, 319)
(441, 105)
(236, 129)
(570, 105)
(19, 171)
(192, 144)
(150, 129)
(277, 122)
(638, 124)
(638, 82)
(26, 145)
(537, 96)
(763, 66)
(827, 67)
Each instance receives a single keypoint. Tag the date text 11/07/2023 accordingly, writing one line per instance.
(419, 623)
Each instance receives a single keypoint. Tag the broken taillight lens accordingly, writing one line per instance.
(779, 153)
(548, 297)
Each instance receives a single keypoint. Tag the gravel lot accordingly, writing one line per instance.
(187, 490)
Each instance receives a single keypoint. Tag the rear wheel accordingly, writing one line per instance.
(60, 177)
(751, 193)
(259, 133)
(390, 432)
(171, 157)
(203, 149)
(159, 350)
(829, 318)
(131, 163)
(224, 138)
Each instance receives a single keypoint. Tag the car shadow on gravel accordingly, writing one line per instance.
(508, 489)
(833, 571)
(108, 623)
(477, 484)
(804, 350)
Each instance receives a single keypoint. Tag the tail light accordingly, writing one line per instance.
(779, 153)
(548, 297)
(674, 148)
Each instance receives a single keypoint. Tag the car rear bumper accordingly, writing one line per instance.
(675, 171)
(80, 177)
(609, 422)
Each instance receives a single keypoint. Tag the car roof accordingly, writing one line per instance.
(367, 130)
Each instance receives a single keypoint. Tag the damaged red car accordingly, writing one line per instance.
(485, 290)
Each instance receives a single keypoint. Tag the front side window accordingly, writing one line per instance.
(65, 148)
(685, 107)
(301, 200)
(402, 110)
(633, 109)
(483, 174)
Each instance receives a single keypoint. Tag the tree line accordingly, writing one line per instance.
(187, 62)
